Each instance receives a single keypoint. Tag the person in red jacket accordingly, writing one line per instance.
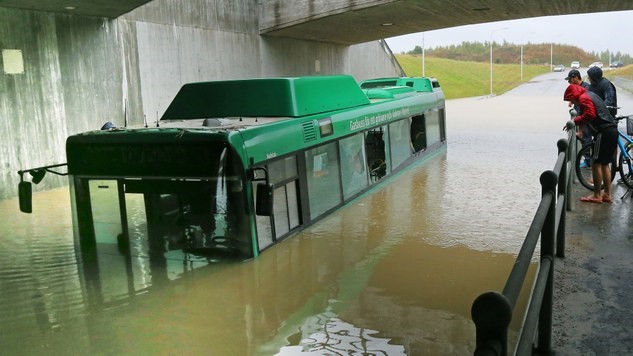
(594, 113)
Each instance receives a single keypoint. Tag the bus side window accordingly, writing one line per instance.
(354, 172)
(418, 133)
(264, 199)
(376, 156)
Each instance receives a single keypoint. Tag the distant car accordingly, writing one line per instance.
(596, 64)
(559, 68)
(616, 64)
(575, 65)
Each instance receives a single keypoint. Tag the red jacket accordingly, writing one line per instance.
(587, 108)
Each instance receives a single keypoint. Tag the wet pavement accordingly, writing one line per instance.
(593, 296)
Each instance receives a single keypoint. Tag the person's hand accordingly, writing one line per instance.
(569, 125)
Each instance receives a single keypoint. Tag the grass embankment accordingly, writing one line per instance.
(460, 79)
(624, 72)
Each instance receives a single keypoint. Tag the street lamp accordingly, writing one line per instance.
(423, 54)
(491, 32)
(521, 62)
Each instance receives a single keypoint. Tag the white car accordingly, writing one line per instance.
(575, 65)
(596, 64)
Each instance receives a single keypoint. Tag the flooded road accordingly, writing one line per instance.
(395, 272)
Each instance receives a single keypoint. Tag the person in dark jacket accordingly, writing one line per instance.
(604, 88)
(594, 113)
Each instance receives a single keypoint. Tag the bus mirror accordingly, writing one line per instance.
(25, 194)
(264, 204)
(259, 174)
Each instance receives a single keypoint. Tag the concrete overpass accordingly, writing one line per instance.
(351, 22)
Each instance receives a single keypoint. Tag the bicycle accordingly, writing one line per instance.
(623, 165)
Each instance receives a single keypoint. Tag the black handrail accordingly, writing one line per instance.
(492, 311)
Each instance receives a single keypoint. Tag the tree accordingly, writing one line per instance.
(416, 50)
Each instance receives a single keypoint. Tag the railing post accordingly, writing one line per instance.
(548, 184)
(491, 313)
(573, 150)
(563, 191)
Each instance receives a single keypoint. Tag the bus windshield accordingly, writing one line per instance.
(204, 216)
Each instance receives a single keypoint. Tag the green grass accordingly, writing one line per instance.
(461, 79)
(625, 72)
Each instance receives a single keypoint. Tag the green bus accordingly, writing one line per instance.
(233, 167)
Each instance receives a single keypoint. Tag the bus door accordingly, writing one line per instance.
(377, 155)
(283, 175)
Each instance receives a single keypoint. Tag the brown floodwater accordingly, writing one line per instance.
(395, 272)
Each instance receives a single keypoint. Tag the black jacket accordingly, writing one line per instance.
(606, 91)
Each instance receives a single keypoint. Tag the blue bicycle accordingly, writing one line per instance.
(623, 165)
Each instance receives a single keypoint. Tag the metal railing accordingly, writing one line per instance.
(392, 57)
(492, 311)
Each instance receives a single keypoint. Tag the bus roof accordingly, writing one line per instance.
(265, 97)
(420, 84)
(394, 92)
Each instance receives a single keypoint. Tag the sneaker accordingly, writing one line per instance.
(584, 164)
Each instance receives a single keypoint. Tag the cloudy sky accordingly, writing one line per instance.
(592, 32)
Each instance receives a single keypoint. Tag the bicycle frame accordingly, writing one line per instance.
(622, 165)
(623, 148)
(625, 162)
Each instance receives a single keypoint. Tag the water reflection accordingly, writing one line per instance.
(372, 272)
(328, 335)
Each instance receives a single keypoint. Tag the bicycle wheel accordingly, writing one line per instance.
(584, 173)
(624, 166)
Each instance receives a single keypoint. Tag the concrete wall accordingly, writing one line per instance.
(71, 82)
(80, 72)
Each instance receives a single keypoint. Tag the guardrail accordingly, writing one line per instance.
(392, 57)
(492, 311)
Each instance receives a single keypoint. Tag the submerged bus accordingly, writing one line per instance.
(234, 167)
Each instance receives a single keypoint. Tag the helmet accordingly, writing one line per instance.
(594, 73)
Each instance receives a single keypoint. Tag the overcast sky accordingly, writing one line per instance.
(592, 32)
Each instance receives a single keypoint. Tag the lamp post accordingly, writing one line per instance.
(610, 49)
(491, 32)
(423, 54)
(521, 62)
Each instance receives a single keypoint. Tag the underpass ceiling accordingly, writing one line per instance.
(355, 21)
(98, 8)
(372, 20)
